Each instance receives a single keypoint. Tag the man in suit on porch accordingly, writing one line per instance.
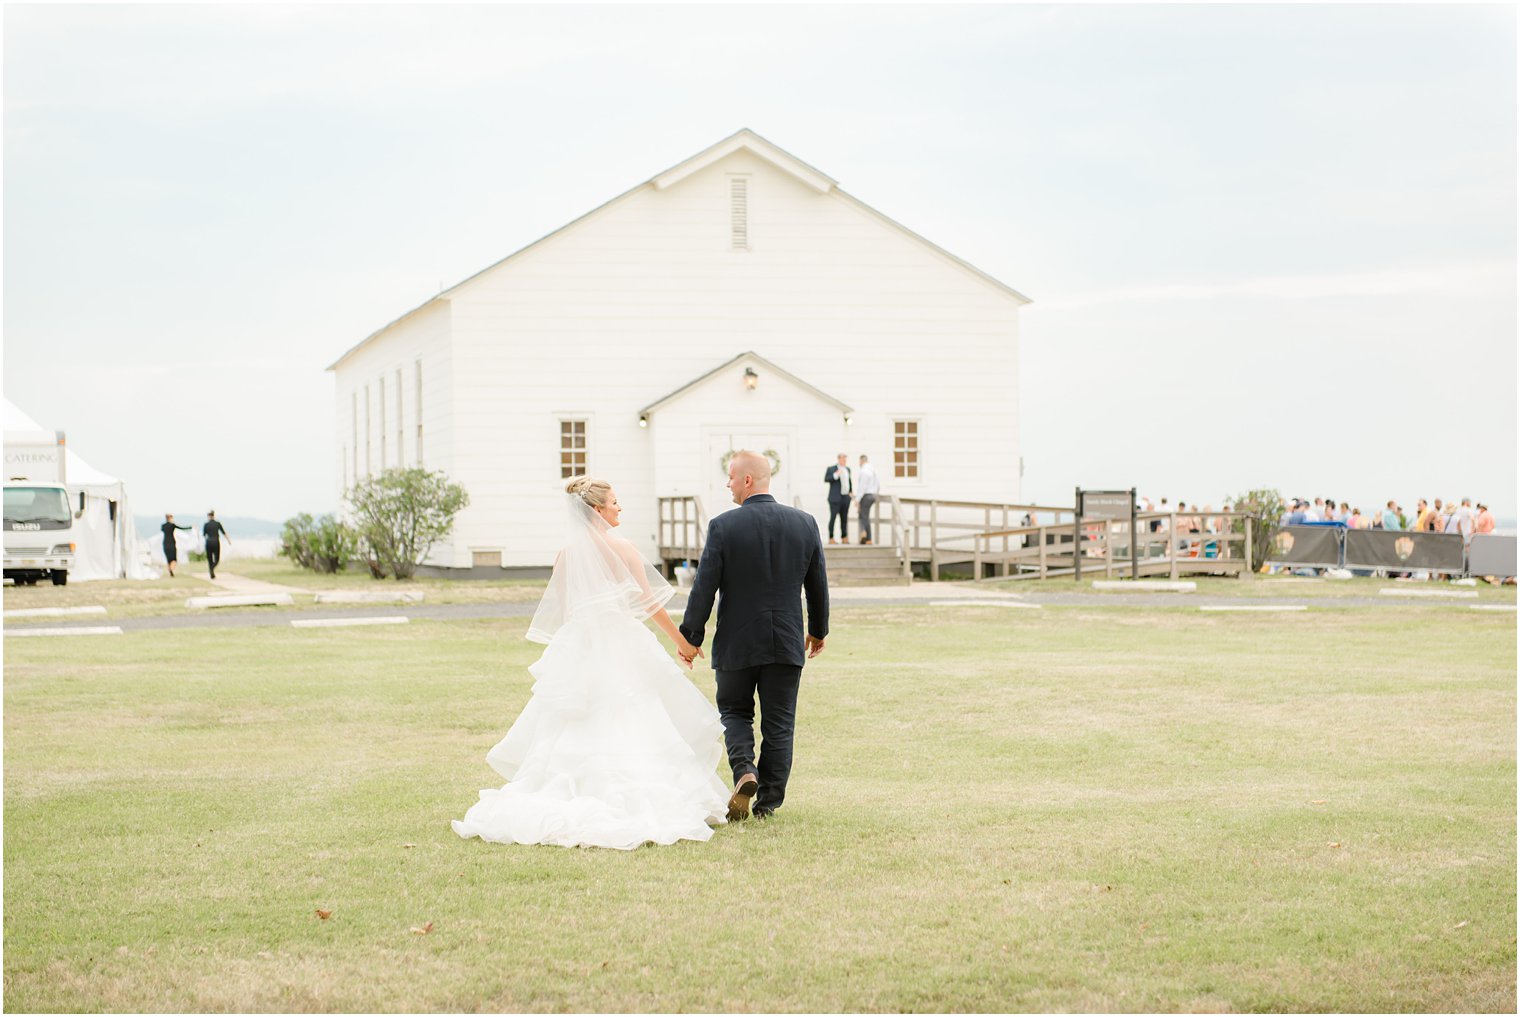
(841, 493)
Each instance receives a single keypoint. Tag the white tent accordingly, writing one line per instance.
(108, 544)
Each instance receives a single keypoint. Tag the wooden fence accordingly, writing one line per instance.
(1004, 540)
(682, 527)
(1222, 547)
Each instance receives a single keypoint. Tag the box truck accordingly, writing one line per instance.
(39, 518)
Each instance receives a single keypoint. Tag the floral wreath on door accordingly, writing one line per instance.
(771, 455)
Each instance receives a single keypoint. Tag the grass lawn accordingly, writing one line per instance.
(1070, 809)
(122, 598)
(165, 596)
(437, 591)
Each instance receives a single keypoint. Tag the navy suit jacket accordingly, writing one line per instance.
(841, 482)
(758, 561)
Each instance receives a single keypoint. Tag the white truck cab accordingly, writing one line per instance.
(39, 518)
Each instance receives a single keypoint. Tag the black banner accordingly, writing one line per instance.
(1399, 549)
(1306, 545)
(1491, 555)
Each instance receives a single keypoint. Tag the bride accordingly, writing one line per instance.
(615, 748)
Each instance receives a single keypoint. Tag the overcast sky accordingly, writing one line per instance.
(1268, 246)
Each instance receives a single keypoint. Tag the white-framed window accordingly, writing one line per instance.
(381, 393)
(418, 411)
(354, 414)
(573, 446)
(907, 434)
(369, 462)
(400, 429)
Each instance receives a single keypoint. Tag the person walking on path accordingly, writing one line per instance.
(841, 493)
(213, 532)
(870, 487)
(171, 552)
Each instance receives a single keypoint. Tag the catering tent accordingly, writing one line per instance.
(108, 544)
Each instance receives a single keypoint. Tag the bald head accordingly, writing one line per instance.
(748, 473)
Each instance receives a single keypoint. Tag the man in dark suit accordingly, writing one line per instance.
(841, 493)
(213, 532)
(757, 561)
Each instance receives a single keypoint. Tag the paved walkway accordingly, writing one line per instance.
(230, 582)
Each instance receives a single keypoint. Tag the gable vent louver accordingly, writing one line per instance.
(738, 195)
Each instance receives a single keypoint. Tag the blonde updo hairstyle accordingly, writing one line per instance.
(589, 490)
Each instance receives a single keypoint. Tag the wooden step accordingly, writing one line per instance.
(864, 572)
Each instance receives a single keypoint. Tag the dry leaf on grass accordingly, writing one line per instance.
(324, 915)
(1316, 801)
(1459, 925)
(409, 845)
(422, 930)
(1333, 843)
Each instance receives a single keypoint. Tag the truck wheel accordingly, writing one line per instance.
(60, 578)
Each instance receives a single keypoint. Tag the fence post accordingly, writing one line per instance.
(1108, 549)
(934, 541)
(1004, 569)
(1042, 552)
(1247, 571)
(976, 558)
(1076, 546)
(1171, 545)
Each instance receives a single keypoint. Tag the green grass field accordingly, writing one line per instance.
(1072, 809)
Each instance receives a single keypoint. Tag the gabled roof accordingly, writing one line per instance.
(742, 139)
(754, 358)
(752, 142)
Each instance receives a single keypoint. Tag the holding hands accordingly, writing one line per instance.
(687, 652)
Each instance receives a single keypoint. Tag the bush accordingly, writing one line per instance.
(322, 545)
(295, 539)
(401, 513)
(1265, 508)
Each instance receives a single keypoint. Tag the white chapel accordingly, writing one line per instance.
(739, 299)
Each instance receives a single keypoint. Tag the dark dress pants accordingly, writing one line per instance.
(777, 686)
(866, 502)
(839, 509)
(213, 556)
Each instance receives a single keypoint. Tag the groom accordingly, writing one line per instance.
(759, 558)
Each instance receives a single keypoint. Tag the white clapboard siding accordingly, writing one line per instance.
(647, 294)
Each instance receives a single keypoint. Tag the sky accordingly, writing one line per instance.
(1268, 246)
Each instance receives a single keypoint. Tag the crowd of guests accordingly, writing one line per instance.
(1427, 517)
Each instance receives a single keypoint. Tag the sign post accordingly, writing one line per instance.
(1108, 506)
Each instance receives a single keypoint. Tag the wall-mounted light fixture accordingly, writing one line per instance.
(846, 420)
(751, 379)
(643, 420)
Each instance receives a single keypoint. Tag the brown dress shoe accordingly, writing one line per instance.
(738, 803)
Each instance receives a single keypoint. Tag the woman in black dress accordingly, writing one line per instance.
(169, 550)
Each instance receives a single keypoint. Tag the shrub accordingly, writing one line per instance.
(401, 513)
(322, 545)
(295, 539)
(1265, 508)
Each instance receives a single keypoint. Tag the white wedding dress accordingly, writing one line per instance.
(616, 748)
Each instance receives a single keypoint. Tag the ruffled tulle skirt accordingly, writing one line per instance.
(615, 749)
